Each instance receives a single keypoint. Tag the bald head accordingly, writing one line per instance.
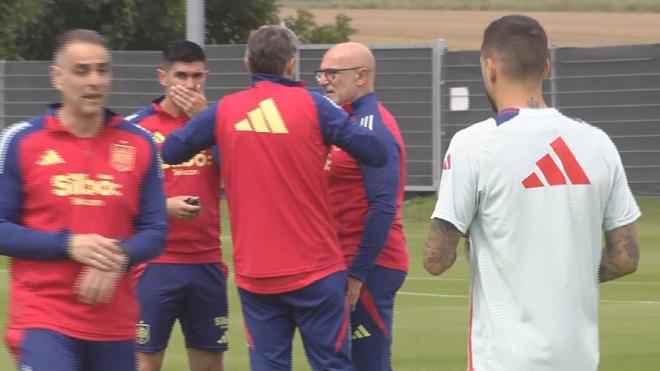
(347, 72)
(351, 54)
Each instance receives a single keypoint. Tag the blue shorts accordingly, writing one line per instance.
(47, 350)
(195, 294)
(371, 321)
(320, 312)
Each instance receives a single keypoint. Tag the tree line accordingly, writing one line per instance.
(29, 27)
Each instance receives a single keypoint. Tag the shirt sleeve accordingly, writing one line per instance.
(458, 193)
(621, 208)
(19, 241)
(198, 134)
(338, 128)
(215, 153)
(151, 224)
(381, 186)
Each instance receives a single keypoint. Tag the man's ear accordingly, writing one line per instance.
(290, 68)
(55, 76)
(547, 67)
(247, 65)
(363, 76)
(491, 70)
(162, 76)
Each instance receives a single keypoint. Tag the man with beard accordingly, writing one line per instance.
(534, 189)
(273, 140)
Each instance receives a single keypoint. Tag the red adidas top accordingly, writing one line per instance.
(108, 185)
(282, 204)
(273, 140)
(195, 241)
(348, 199)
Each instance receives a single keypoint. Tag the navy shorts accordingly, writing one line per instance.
(371, 321)
(195, 294)
(319, 311)
(47, 350)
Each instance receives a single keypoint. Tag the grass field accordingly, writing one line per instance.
(431, 314)
(461, 29)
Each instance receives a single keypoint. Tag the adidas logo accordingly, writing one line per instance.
(223, 339)
(367, 122)
(551, 171)
(265, 119)
(360, 332)
(50, 157)
(446, 164)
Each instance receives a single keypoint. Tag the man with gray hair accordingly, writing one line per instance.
(274, 139)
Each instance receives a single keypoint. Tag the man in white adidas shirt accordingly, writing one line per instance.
(534, 189)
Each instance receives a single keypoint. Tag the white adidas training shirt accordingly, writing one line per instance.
(535, 190)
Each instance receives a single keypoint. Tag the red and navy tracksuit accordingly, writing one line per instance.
(274, 139)
(188, 282)
(366, 203)
(55, 184)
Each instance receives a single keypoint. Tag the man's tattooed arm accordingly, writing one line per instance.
(620, 254)
(440, 246)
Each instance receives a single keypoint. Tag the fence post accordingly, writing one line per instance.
(195, 21)
(297, 66)
(436, 111)
(2, 94)
(552, 77)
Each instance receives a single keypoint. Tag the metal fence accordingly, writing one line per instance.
(615, 88)
(405, 78)
(431, 91)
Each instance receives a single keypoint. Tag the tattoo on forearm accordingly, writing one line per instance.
(607, 270)
(440, 246)
(620, 255)
(533, 103)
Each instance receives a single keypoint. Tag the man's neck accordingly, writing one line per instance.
(364, 91)
(520, 96)
(361, 93)
(83, 126)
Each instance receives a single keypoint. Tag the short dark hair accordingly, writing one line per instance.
(519, 43)
(182, 51)
(269, 48)
(78, 35)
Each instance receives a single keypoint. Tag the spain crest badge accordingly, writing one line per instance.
(122, 156)
(142, 333)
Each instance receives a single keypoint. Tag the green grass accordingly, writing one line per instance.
(430, 331)
(520, 5)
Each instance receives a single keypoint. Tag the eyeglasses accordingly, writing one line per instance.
(331, 73)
